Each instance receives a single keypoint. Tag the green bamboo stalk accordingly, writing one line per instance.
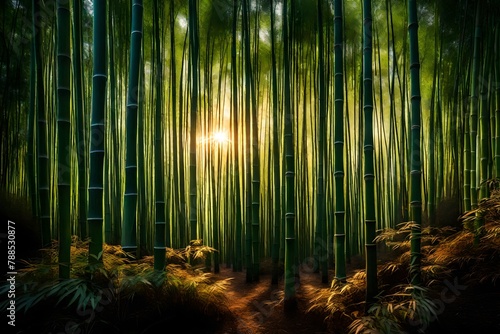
(142, 196)
(255, 191)
(290, 242)
(183, 236)
(497, 99)
(415, 161)
(340, 265)
(369, 173)
(321, 228)
(30, 160)
(216, 209)
(439, 130)
(64, 135)
(474, 107)
(394, 130)
(80, 119)
(238, 262)
(248, 141)
(129, 229)
(467, 162)
(160, 221)
(484, 133)
(178, 155)
(116, 185)
(431, 198)
(276, 156)
(478, 172)
(404, 141)
(455, 120)
(41, 137)
(97, 132)
(42, 158)
(194, 90)
(330, 185)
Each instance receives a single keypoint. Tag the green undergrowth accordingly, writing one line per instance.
(451, 263)
(117, 293)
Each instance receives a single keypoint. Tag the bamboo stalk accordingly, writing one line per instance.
(97, 134)
(63, 136)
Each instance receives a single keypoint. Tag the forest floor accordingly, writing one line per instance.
(468, 298)
(256, 307)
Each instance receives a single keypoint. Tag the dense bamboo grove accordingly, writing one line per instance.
(290, 130)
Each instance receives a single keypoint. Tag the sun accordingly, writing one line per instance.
(220, 137)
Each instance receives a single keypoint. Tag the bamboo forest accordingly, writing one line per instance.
(250, 166)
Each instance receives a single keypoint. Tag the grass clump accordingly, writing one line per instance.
(116, 293)
(448, 254)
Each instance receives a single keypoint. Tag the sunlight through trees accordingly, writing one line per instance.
(285, 134)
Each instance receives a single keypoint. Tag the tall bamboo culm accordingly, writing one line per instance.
(275, 252)
(369, 173)
(30, 134)
(238, 253)
(160, 221)
(194, 90)
(290, 242)
(64, 136)
(42, 159)
(321, 230)
(497, 101)
(415, 160)
(97, 132)
(475, 107)
(79, 92)
(340, 237)
(129, 229)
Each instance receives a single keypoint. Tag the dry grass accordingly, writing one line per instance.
(446, 253)
(132, 288)
(341, 303)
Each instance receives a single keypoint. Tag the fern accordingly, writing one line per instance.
(118, 282)
(408, 307)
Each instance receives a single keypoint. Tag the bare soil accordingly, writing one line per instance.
(257, 308)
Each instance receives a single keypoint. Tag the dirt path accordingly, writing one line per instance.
(258, 310)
